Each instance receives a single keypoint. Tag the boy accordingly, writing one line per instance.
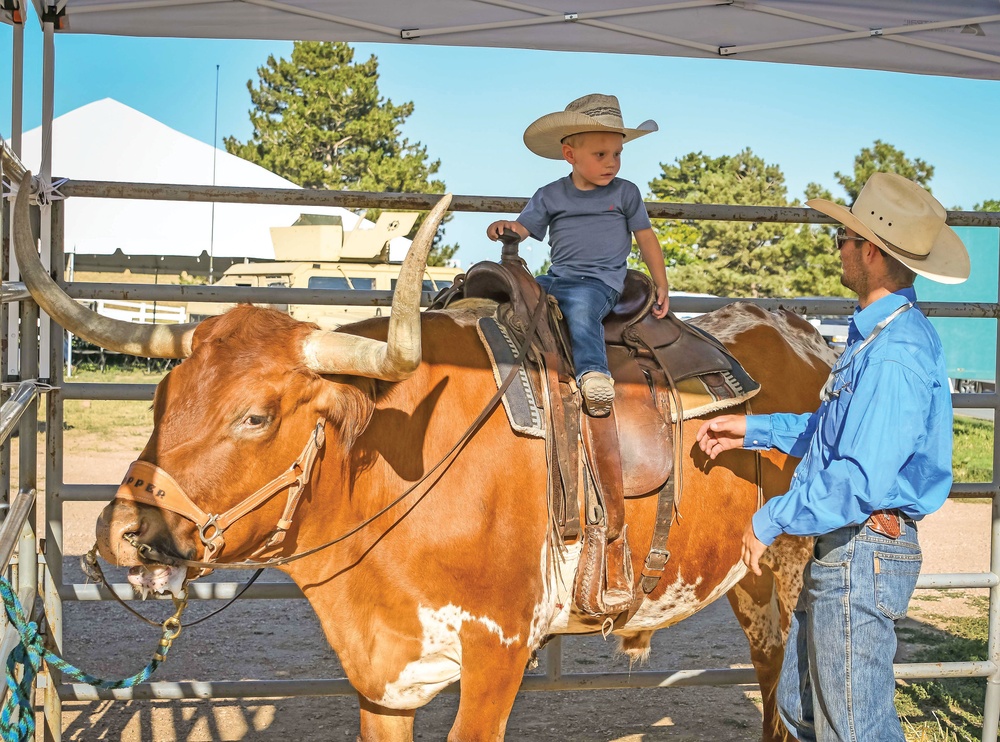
(591, 216)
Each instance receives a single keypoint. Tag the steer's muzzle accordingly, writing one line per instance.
(166, 532)
(121, 526)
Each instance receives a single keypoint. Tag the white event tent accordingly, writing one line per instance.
(106, 140)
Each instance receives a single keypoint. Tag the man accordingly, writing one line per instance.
(876, 457)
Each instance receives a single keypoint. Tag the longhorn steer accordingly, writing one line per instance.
(460, 579)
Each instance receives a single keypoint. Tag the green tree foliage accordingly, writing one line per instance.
(883, 157)
(990, 204)
(320, 121)
(740, 258)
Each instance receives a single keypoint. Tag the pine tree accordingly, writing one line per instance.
(885, 158)
(320, 121)
(740, 258)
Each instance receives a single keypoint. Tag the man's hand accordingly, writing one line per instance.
(496, 229)
(721, 434)
(752, 550)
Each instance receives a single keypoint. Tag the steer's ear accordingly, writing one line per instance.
(348, 406)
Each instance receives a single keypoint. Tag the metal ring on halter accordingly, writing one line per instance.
(210, 523)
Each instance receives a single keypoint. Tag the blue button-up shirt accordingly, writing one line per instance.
(883, 440)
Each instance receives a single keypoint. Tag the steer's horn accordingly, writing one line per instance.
(152, 341)
(397, 358)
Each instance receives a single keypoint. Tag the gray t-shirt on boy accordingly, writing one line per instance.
(590, 232)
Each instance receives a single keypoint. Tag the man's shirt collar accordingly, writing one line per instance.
(864, 320)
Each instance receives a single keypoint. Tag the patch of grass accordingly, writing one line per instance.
(945, 709)
(972, 457)
(111, 420)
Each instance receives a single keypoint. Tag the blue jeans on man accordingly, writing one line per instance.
(584, 303)
(836, 682)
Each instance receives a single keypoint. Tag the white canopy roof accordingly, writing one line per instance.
(933, 37)
(107, 140)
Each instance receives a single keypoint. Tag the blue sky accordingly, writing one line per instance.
(472, 106)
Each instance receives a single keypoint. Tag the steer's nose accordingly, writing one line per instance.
(115, 521)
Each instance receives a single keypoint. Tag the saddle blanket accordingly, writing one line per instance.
(699, 395)
(519, 399)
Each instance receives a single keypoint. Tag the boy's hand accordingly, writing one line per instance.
(652, 256)
(662, 303)
(722, 434)
(496, 229)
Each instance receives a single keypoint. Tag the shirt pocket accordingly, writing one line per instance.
(895, 579)
(831, 426)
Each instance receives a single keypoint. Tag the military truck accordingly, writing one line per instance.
(317, 253)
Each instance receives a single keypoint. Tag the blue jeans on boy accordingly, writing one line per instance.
(584, 303)
(836, 681)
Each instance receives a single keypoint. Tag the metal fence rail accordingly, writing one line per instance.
(57, 491)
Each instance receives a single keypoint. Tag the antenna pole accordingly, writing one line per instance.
(215, 152)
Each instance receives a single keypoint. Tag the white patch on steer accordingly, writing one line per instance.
(680, 601)
(440, 662)
(158, 579)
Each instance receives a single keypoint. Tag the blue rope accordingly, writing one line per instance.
(30, 653)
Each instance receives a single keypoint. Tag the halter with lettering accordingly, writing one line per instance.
(148, 484)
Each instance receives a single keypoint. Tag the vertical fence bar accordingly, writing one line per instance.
(991, 705)
(53, 544)
(27, 551)
(553, 659)
(5, 347)
(9, 327)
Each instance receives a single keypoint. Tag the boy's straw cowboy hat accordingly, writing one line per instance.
(908, 223)
(594, 112)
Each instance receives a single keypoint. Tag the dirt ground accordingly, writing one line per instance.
(282, 640)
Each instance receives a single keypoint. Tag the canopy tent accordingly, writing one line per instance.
(107, 140)
(930, 37)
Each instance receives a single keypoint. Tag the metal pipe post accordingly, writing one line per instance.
(52, 556)
(991, 705)
(5, 346)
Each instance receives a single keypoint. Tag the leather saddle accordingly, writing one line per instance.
(598, 462)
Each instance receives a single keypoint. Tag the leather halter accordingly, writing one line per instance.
(148, 484)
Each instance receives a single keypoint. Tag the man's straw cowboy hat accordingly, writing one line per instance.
(593, 112)
(908, 223)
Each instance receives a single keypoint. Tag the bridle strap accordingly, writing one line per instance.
(148, 552)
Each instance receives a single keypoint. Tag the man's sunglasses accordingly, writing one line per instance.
(841, 237)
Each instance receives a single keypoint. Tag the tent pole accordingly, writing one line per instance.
(45, 175)
(52, 724)
(16, 127)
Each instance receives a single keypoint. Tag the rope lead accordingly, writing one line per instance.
(28, 655)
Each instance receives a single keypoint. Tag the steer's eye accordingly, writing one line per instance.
(255, 421)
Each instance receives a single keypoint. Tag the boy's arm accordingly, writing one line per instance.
(652, 255)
